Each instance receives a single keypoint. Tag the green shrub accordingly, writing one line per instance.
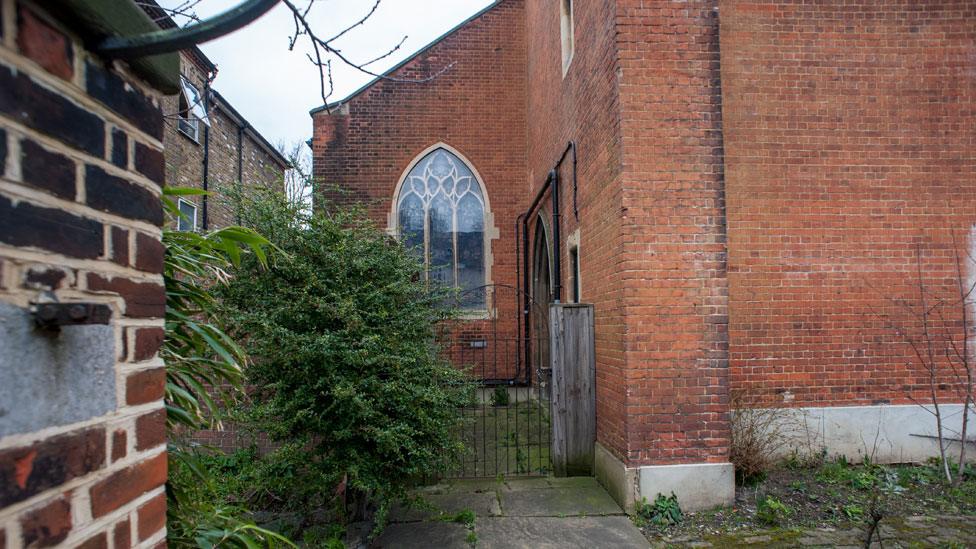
(199, 514)
(346, 373)
(200, 355)
(772, 512)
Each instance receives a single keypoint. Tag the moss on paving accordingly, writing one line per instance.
(505, 440)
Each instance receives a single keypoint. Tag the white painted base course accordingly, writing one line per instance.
(886, 434)
(698, 485)
(619, 480)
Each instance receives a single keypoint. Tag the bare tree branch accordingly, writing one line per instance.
(966, 360)
(350, 27)
(387, 54)
(323, 48)
(182, 10)
(933, 338)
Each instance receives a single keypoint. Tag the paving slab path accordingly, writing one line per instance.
(529, 513)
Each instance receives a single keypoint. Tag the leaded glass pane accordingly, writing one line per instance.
(412, 223)
(441, 210)
(441, 241)
(471, 253)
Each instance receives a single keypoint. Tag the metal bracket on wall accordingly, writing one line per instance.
(52, 316)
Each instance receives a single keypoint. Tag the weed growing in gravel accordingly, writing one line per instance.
(835, 494)
(772, 512)
(853, 511)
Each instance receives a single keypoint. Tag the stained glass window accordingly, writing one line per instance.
(441, 215)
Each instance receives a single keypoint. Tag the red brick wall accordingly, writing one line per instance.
(841, 134)
(477, 107)
(583, 107)
(80, 179)
(850, 132)
(650, 205)
(642, 102)
(673, 242)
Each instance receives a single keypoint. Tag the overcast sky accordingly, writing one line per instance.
(275, 88)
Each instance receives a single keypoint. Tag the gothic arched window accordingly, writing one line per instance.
(441, 214)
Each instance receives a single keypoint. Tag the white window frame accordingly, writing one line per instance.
(188, 120)
(567, 33)
(180, 220)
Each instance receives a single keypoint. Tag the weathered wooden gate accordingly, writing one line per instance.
(573, 389)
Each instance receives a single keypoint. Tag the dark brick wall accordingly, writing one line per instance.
(80, 218)
(673, 243)
(184, 156)
(641, 99)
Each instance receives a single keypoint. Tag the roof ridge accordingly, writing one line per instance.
(413, 56)
(245, 125)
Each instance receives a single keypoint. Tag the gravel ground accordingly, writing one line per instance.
(832, 505)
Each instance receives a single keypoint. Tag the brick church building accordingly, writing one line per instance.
(748, 192)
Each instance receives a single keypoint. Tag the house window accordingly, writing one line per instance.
(441, 215)
(188, 216)
(566, 32)
(192, 110)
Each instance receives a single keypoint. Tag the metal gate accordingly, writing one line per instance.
(506, 431)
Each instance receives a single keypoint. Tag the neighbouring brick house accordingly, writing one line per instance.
(754, 180)
(209, 145)
(82, 421)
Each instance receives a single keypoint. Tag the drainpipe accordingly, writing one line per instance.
(518, 317)
(552, 180)
(575, 186)
(206, 155)
(526, 300)
(240, 168)
(557, 246)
